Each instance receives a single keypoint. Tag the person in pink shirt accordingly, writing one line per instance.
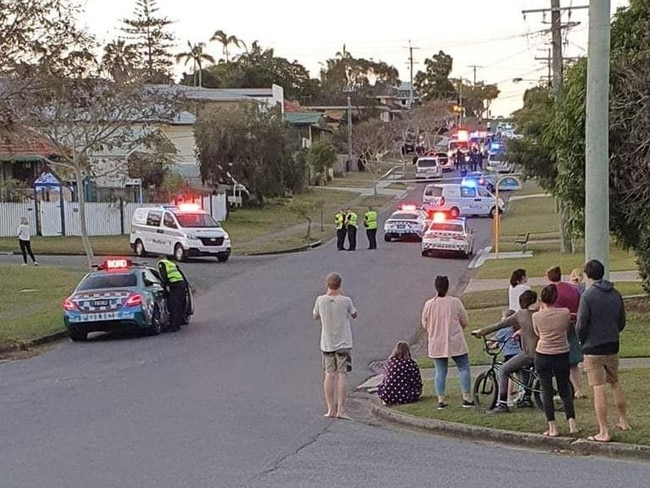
(444, 319)
(568, 296)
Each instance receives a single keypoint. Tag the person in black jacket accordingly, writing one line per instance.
(601, 318)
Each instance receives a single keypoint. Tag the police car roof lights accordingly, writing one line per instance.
(408, 207)
(116, 264)
(188, 207)
(469, 183)
(439, 217)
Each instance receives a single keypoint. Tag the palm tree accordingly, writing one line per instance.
(226, 40)
(120, 60)
(197, 55)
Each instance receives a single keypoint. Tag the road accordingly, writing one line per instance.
(234, 400)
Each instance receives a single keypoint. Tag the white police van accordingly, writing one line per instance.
(467, 198)
(180, 231)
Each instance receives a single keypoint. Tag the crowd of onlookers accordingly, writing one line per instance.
(569, 323)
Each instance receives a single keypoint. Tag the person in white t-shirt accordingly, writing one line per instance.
(24, 241)
(518, 286)
(334, 311)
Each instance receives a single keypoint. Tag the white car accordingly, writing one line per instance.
(409, 221)
(428, 167)
(498, 162)
(448, 235)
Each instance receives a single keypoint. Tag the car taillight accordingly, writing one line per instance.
(69, 305)
(133, 300)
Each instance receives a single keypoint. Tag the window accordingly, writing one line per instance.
(168, 221)
(484, 193)
(467, 192)
(150, 278)
(446, 227)
(112, 280)
(427, 163)
(196, 220)
(433, 191)
(154, 218)
(404, 216)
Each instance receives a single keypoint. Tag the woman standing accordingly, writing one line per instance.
(518, 285)
(551, 325)
(402, 380)
(24, 240)
(444, 319)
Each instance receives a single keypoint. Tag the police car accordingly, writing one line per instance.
(119, 295)
(408, 221)
(448, 235)
(485, 180)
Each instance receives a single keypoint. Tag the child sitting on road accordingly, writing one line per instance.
(402, 380)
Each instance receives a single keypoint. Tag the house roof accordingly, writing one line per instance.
(214, 94)
(18, 143)
(303, 118)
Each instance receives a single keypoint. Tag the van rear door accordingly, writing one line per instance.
(432, 195)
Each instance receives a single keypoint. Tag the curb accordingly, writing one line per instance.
(39, 341)
(306, 247)
(521, 439)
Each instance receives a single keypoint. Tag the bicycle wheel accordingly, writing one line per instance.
(559, 404)
(486, 390)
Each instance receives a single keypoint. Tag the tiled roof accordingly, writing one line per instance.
(17, 143)
(303, 118)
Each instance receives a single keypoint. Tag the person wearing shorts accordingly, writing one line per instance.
(334, 310)
(601, 318)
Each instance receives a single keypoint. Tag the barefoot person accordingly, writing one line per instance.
(334, 311)
(601, 318)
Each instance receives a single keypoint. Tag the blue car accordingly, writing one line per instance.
(119, 296)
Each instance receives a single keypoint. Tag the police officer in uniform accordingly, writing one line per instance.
(176, 284)
(370, 223)
(341, 231)
(351, 224)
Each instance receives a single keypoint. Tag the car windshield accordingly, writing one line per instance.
(108, 280)
(427, 163)
(440, 227)
(404, 216)
(196, 220)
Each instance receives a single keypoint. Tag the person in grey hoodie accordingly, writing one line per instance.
(601, 318)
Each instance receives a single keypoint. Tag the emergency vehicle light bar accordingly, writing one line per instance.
(189, 206)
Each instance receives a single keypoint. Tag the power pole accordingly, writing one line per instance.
(474, 67)
(597, 135)
(411, 62)
(350, 130)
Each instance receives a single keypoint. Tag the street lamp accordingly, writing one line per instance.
(348, 91)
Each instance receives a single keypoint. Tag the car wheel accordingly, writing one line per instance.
(454, 212)
(223, 257)
(387, 237)
(425, 254)
(156, 322)
(78, 336)
(179, 253)
(139, 248)
(493, 212)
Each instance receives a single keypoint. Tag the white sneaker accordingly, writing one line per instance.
(35, 263)
(24, 264)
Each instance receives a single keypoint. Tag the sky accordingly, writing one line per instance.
(493, 35)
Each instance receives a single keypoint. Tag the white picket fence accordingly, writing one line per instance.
(102, 219)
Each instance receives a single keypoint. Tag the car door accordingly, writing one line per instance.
(155, 287)
(154, 232)
(486, 201)
(469, 200)
(170, 232)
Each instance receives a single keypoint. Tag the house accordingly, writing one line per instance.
(307, 127)
(396, 100)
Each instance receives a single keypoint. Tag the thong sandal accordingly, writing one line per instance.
(592, 438)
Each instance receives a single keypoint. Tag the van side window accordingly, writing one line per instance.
(483, 192)
(467, 192)
(154, 218)
(169, 222)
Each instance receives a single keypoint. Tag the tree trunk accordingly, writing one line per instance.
(82, 215)
(566, 242)
(308, 229)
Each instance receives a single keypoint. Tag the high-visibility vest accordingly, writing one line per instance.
(370, 219)
(352, 219)
(173, 274)
(339, 219)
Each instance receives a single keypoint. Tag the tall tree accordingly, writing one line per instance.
(196, 55)
(120, 60)
(433, 83)
(476, 98)
(226, 40)
(150, 33)
(247, 144)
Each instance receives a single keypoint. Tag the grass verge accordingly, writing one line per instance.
(31, 304)
(634, 383)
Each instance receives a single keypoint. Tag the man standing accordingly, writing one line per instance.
(334, 310)
(370, 223)
(351, 219)
(341, 231)
(174, 279)
(601, 318)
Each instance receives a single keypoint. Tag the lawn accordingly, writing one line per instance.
(32, 298)
(535, 215)
(245, 226)
(530, 187)
(635, 385)
(357, 179)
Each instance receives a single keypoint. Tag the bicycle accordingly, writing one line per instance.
(486, 387)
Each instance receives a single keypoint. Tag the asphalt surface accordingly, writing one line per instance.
(235, 399)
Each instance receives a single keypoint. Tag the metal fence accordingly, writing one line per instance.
(102, 219)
